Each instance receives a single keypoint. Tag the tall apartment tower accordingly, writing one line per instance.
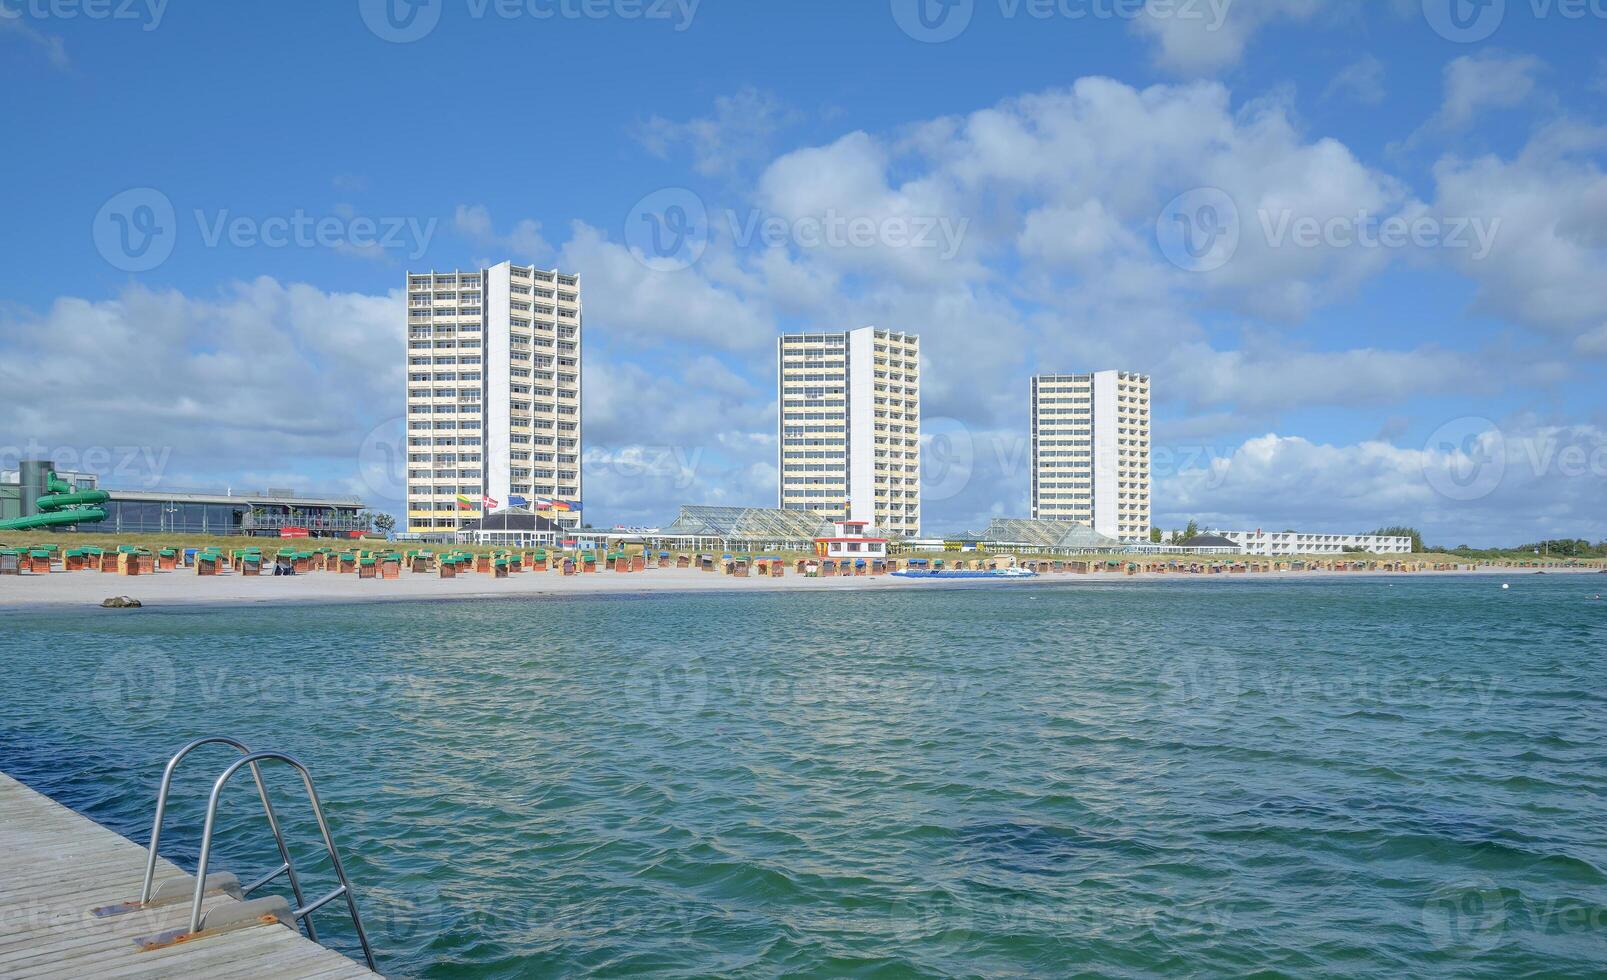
(1090, 451)
(850, 429)
(493, 393)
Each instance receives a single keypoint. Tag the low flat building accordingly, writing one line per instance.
(512, 528)
(1202, 544)
(1302, 543)
(270, 512)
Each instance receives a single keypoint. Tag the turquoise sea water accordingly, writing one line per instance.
(1372, 777)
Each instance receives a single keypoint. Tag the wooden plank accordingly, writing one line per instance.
(56, 865)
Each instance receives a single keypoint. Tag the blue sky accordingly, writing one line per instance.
(1450, 382)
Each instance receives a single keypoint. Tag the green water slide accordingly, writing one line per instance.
(61, 506)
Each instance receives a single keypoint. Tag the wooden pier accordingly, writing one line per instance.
(57, 867)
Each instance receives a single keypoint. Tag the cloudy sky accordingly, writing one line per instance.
(1360, 247)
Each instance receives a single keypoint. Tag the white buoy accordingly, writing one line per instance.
(1505, 585)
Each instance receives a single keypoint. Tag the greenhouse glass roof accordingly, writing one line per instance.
(751, 522)
(1046, 534)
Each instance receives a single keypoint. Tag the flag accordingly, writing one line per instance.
(489, 503)
(464, 503)
(514, 500)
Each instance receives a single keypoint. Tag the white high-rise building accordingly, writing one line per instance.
(1090, 451)
(493, 393)
(850, 426)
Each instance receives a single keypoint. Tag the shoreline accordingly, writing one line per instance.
(180, 590)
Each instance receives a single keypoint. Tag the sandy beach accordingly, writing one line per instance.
(181, 588)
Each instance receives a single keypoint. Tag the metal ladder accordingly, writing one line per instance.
(303, 911)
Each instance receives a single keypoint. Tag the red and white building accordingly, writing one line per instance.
(849, 540)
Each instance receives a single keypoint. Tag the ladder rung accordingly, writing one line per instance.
(309, 910)
(266, 878)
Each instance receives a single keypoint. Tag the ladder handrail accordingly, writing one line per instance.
(267, 808)
(303, 911)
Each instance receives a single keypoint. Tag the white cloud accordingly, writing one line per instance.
(1362, 80)
(522, 244)
(739, 132)
(55, 50)
(1490, 80)
(1215, 34)
(1543, 482)
(1548, 266)
(213, 385)
(650, 307)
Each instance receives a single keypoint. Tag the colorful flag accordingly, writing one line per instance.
(489, 503)
(514, 500)
(464, 503)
